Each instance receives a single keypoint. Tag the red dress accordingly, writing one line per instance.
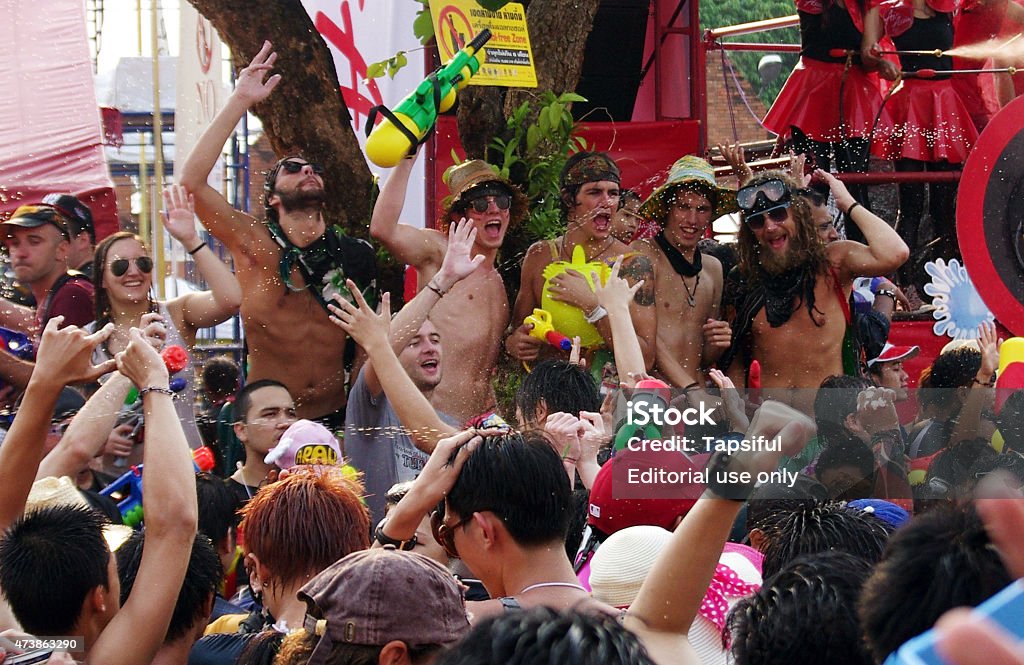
(810, 99)
(931, 123)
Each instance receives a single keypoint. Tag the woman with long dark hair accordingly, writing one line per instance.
(123, 281)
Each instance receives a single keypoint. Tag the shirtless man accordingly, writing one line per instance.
(789, 302)
(590, 195)
(688, 285)
(283, 319)
(474, 316)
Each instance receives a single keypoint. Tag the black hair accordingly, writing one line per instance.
(562, 386)
(803, 615)
(521, 479)
(835, 400)
(51, 559)
(298, 646)
(822, 528)
(844, 451)
(939, 560)
(541, 636)
(197, 589)
(949, 371)
(217, 507)
(1011, 421)
(220, 377)
(627, 196)
(951, 469)
(771, 500)
(1010, 462)
(243, 400)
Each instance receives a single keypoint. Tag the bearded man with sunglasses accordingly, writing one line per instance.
(474, 314)
(289, 266)
(789, 296)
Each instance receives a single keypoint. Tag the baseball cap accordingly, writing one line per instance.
(891, 353)
(32, 216)
(305, 442)
(77, 213)
(369, 598)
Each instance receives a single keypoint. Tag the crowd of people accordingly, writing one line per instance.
(368, 502)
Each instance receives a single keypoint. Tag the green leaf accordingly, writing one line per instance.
(401, 60)
(569, 97)
(375, 69)
(544, 120)
(455, 159)
(532, 138)
(423, 26)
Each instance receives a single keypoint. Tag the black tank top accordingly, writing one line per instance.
(833, 28)
(924, 35)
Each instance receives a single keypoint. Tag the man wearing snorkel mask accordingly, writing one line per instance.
(789, 296)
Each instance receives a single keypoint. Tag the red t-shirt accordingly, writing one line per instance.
(73, 300)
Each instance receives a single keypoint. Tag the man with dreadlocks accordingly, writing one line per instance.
(289, 267)
(789, 296)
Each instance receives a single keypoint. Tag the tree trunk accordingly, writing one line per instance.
(306, 113)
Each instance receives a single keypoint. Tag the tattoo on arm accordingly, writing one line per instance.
(637, 268)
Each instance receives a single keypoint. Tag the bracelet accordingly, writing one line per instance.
(192, 252)
(849, 211)
(886, 292)
(384, 539)
(991, 382)
(436, 289)
(155, 389)
(595, 314)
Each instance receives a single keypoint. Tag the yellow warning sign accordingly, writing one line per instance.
(507, 59)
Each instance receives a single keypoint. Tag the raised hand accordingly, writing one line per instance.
(179, 215)
(141, 363)
(989, 343)
(844, 199)
(733, 155)
(616, 292)
(252, 84)
(361, 323)
(457, 263)
(65, 354)
(876, 410)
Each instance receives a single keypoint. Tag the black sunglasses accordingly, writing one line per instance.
(295, 167)
(120, 266)
(482, 203)
(757, 222)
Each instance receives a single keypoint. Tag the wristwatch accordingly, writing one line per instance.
(384, 539)
(596, 314)
(719, 484)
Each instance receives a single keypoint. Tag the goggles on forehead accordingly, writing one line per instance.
(754, 198)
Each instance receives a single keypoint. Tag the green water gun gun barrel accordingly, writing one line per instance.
(408, 125)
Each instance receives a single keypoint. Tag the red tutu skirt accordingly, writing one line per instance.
(810, 102)
(930, 123)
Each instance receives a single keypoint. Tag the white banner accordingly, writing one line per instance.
(200, 89)
(360, 32)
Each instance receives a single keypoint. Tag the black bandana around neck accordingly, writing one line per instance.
(679, 263)
(780, 291)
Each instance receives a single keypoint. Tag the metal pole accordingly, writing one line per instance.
(158, 159)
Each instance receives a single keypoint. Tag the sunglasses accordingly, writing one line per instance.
(120, 266)
(773, 191)
(295, 167)
(757, 222)
(444, 533)
(482, 203)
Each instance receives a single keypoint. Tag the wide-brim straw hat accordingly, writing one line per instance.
(464, 177)
(694, 172)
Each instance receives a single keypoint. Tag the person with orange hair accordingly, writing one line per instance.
(294, 528)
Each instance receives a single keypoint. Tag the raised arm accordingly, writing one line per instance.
(171, 516)
(672, 593)
(252, 86)
(203, 308)
(371, 332)
(981, 392)
(64, 357)
(884, 252)
(615, 296)
(457, 265)
(421, 248)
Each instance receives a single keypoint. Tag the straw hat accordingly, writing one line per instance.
(693, 171)
(51, 492)
(466, 176)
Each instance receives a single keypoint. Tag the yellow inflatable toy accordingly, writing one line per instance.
(566, 319)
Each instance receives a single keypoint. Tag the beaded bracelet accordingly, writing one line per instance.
(155, 389)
